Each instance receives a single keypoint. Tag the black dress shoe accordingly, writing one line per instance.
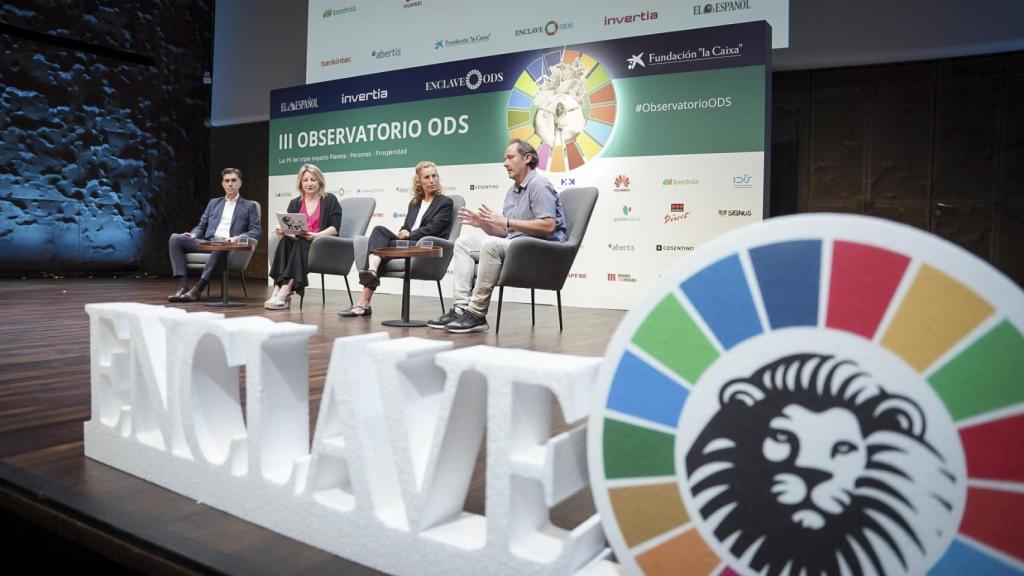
(176, 297)
(192, 295)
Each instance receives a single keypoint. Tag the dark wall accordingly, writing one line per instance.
(246, 147)
(104, 149)
(938, 145)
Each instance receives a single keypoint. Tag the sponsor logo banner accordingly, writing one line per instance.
(717, 7)
(330, 12)
(675, 217)
(621, 247)
(627, 215)
(390, 53)
(620, 277)
(410, 84)
(645, 16)
(742, 181)
(680, 182)
(462, 41)
(334, 62)
(549, 28)
(472, 80)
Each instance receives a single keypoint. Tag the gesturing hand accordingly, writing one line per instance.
(471, 217)
(490, 217)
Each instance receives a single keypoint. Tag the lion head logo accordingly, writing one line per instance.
(810, 467)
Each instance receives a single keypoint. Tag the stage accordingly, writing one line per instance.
(50, 492)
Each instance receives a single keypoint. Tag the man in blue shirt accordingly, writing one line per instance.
(531, 208)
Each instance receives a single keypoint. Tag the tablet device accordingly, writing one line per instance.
(292, 224)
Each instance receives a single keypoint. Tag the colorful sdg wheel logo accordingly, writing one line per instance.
(796, 399)
(564, 105)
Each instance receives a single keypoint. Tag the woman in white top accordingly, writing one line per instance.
(429, 214)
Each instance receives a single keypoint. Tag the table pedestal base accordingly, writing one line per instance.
(405, 323)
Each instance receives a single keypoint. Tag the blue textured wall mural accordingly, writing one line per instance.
(104, 149)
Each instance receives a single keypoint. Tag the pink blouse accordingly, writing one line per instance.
(312, 220)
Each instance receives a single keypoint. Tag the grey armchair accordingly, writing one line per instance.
(335, 254)
(541, 265)
(431, 268)
(238, 260)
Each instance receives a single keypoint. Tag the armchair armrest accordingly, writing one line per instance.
(433, 268)
(534, 263)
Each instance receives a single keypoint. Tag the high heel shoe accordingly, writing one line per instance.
(276, 303)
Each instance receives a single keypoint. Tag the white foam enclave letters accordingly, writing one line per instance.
(399, 430)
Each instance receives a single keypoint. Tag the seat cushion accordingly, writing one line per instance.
(197, 258)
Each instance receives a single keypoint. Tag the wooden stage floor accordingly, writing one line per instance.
(47, 484)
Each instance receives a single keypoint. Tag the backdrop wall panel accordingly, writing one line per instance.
(671, 128)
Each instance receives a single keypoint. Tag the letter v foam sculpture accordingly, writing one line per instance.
(397, 437)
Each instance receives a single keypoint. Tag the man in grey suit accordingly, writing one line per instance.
(229, 217)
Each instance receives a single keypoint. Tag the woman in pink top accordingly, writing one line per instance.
(290, 265)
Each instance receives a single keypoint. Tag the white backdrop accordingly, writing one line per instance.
(620, 254)
(348, 38)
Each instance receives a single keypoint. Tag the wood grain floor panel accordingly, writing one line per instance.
(44, 401)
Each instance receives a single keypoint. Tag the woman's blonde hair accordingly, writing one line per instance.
(417, 192)
(312, 169)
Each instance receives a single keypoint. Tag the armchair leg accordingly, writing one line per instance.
(349, 290)
(558, 294)
(440, 296)
(244, 291)
(533, 310)
(323, 292)
(302, 298)
(501, 295)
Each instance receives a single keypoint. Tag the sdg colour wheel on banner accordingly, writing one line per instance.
(816, 395)
(670, 128)
(564, 105)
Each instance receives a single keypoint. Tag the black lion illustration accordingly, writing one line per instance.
(807, 469)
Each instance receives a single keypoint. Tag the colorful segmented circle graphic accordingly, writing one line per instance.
(732, 368)
(592, 108)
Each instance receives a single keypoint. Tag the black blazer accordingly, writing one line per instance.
(330, 211)
(436, 222)
(244, 220)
